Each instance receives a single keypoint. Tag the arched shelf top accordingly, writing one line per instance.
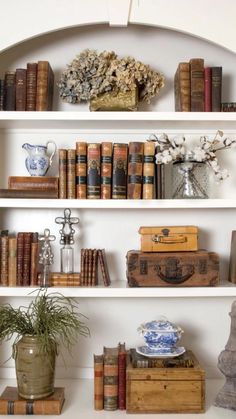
(206, 19)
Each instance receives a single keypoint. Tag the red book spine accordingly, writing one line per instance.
(207, 83)
(122, 377)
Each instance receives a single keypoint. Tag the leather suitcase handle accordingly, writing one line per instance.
(159, 238)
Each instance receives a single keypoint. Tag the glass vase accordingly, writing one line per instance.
(190, 180)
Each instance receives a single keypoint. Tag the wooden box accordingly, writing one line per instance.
(165, 390)
(169, 239)
(188, 269)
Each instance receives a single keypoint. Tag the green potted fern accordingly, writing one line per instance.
(49, 321)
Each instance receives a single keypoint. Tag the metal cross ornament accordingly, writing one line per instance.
(46, 256)
(67, 232)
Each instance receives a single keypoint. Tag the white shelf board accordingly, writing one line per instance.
(120, 289)
(118, 203)
(76, 119)
(79, 402)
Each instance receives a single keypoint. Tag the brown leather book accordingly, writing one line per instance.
(59, 279)
(135, 170)
(121, 376)
(110, 378)
(95, 268)
(106, 169)
(70, 174)
(81, 169)
(119, 171)
(9, 100)
(104, 267)
(2, 89)
(33, 182)
(182, 88)
(93, 171)
(34, 258)
(160, 181)
(208, 89)
(216, 88)
(232, 260)
(148, 170)
(90, 266)
(62, 173)
(4, 246)
(141, 361)
(19, 258)
(45, 84)
(20, 89)
(82, 266)
(12, 404)
(28, 238)
(197, 84)
(28, 194)
(12, 250)
(98, 382)
(31, 86)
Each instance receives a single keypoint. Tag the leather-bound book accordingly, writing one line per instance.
(12, 404)
(121, 376)
(135, 170)
(28, 237)
(61, 279)
(197, 84)
(31, 86)
(71, 174)
(148, 170)
(1, 95)
(62, 173)
(19, 258)
(160, 181)
(104, 268)
(106, 169)
(110, 387)
(216, 86)
(208, 89)
(81, 169)
(98, 382)
(90, 266)
(182, 88)
(20, 89)
(33, 182)
(232, 260)
(94, 171)
(12, 250)
(9, 101)
(4, 245)
(28, 194)
(95, 267)
(119, 171)
(45, 83)
(82, 266)
(34, 257)
(141, 361)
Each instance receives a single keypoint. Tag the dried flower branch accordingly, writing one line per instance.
(91, 74)
(175, 150)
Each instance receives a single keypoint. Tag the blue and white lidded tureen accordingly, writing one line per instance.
(160, 334)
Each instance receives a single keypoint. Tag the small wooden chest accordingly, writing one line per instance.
(165, 390)
(169, 239)
(187, 269)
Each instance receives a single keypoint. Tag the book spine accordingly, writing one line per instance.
(9, 102)
(81, 170)
(31, 86)
(110, 387)
(208, 89)
(95, 268)
(33, 182)
(86, 259)
(64, 276)
(98, 382)
(34, 257)
(106, 169)
(122, 377)
(182, 88)
(216, 75)
(62, 173)
(197, 84)
(12, 280)
(19, 257)
(90, 266)
(31, 193)
(82, 266)
(119, 171)
(2, 89)
(64, 283)
(71, 174)
(160, 181)
(4, 260)
(94, 171)
(20, 89)
(27, 238)
(148, 170)
(104, 268)
(135, 170)
(44, 91)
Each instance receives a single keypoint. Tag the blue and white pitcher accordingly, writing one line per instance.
(38, 161)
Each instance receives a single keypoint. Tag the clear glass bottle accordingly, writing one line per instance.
(67, 258)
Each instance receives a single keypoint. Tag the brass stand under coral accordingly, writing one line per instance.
(116, 101)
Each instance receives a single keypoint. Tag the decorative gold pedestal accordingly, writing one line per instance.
(113, 101)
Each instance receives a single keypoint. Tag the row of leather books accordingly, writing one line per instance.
(141, 361)
(110, 171)
(197, 88)
(90, 260)
(110, 379)
(28, 89)
(19, 259)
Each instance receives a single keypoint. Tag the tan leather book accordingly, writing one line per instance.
(28, 238)
(110, 378)
(62, 173)
(94, 171)
(182, 88)
(98, 382)
(135, 170)
(33, 182)
(12, 249)
(34, 257)
(45, 84)
(28, 194)
(71, 174)
(148, 170)
(4, 243)
(20, 89)
(197, 84)
(31, 86)
(81, 169)
(104, 267)
(119, 171)
(106, 169)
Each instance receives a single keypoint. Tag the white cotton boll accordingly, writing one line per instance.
(178, 141)
(167, 159)
(158, 158)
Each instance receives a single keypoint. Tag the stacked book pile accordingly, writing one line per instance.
(197, 88)
(110, 379)
(110, 171)
(26, 187)
(28, 89)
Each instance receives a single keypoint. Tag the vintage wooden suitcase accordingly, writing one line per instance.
(169, 239)
(188, 269)
(165, 390)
